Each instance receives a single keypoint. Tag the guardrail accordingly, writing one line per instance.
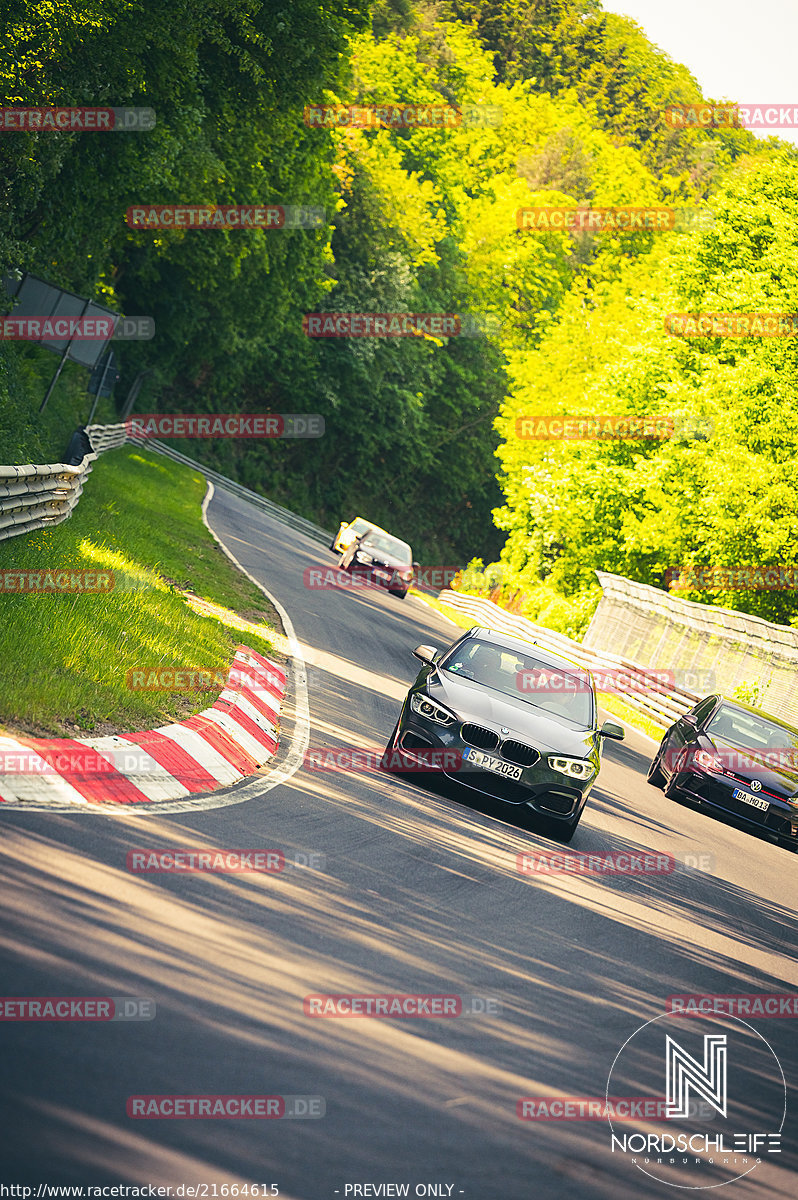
(284, 515)
(646, 693)
(106, 437)
(39, 496)
(34, 497)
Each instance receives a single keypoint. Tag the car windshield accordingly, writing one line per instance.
(383, 543)
(563, 692)
(747, 731)
(359, 526)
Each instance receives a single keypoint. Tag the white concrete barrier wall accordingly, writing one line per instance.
(662, 630)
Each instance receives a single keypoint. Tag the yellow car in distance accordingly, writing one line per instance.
(347, 533)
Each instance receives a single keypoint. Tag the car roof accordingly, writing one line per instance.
(393, 536)
(379, 529)
(376, 528)
(507, 642)
(758, 712)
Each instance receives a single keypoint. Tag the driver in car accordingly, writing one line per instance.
(486, 665)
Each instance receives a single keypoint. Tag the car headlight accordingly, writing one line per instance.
(709, 762)
(429, 709)
(577, 768)
(361, 556)
(406, 575)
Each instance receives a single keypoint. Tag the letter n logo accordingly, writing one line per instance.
(685, 1072)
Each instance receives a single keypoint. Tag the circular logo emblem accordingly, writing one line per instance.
(696, 1102)
(756, 786)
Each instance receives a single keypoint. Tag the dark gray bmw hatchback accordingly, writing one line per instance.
(508, 719)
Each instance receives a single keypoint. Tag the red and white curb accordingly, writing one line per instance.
(224, 744)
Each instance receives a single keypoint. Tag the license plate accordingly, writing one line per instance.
(382, 574)
(747, 798)
(488, 763)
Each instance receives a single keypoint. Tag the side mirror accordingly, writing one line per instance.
(610, 730)
(689, 719)
(426, 653)
(416, 568)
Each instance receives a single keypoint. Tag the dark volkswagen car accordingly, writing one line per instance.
(733, 759)
(387, 559)
(509, 720)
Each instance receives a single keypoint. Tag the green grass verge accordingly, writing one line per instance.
(66, 657)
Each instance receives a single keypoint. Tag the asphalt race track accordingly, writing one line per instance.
(410, 889)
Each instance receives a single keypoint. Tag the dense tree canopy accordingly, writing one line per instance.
(567, 106)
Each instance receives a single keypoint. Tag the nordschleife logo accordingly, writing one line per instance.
(723, 1094)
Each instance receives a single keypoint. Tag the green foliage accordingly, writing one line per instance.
(541, 603)
(608, 65)
(26, 436)
(749, 693)
(716, 494)
(421, 220)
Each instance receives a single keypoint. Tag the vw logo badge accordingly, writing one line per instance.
(756, 786)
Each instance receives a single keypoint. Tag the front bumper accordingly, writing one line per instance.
(540, 788)
(715, 792)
